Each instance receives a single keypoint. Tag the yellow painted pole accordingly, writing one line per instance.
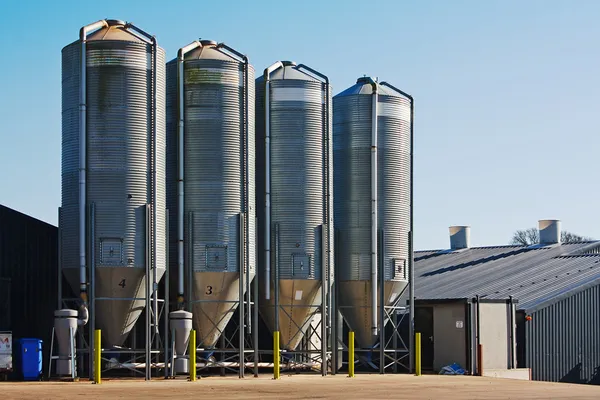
(276, 355)
(192, 354)
(351, 354)
(97, 356)
(418, 353)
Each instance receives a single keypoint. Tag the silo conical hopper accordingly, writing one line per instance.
(371, 135)
(293, 196)
(113, 217)
(210, 151)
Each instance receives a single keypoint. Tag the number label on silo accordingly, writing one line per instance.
(209, 290)
(122, 283)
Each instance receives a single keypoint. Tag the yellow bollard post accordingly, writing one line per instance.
(418, 353)
(192, 355)
(276, 355)
(97, 356)
(351, 354)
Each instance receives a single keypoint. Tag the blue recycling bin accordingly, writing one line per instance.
(30, 359)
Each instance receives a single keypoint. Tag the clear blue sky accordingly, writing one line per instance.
(507, 94)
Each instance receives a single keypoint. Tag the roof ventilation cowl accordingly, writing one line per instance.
(460, 237)
(549, 231)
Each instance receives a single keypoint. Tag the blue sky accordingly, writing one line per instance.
(506, 94)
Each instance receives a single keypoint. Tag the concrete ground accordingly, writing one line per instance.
(303, 387)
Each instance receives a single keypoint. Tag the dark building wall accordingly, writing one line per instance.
(562, 340)
(29, 258)
(5, 304)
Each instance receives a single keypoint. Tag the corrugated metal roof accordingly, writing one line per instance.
(533, 275)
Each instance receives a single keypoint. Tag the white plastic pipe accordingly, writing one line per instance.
(180, 184)
(374, 211)
(267, 74)
(82, 150)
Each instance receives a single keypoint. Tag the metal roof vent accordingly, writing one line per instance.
(549, 231)
(460, 237)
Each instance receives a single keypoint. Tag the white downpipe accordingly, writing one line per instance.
(82, 151)
(267, 74)
(180, 184)
(374, 211)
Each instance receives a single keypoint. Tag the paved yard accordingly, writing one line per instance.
(303, 386)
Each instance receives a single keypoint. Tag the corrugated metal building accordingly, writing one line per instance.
(557, 287)
(29, 263)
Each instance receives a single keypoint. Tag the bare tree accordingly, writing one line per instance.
(527, 237)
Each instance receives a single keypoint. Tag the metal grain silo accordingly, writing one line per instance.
(113, 217)
(372, 181)
(211, 196)
(294, 190)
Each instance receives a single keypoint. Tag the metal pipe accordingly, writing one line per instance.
(180, 179)
(166, 307)
(154, 186)
(382, 311)
(92, 325)
(511, 311)
(478, 338)
(324, 307)
(374, 210)
(328, 201)
(255, 319)
(83, 33)
(267, 75)
(72, 350)
(247, 208)
(190, 259)
(60, 264)
(411, 258)
(244, 148)
(147, 297)
(142, 34)
(242, 250)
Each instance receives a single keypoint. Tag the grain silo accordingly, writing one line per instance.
(294, 198)
(372, 181)
(113, 217)
(211, 181)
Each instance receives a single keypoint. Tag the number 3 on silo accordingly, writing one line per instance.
(209, 290)
(122, 283)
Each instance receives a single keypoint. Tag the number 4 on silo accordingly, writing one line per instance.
(122, 283)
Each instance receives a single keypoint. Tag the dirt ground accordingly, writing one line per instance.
(305, 387)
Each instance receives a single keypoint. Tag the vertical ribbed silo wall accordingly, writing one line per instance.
(218, 185)
(352, 190)
(297, 167)
(394, 175)
(352, 137)
(125, 153)
(69, 215)
(562, 340)
(300, 163)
